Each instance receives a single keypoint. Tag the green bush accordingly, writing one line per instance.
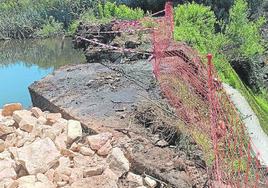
(195, 24)
(245, 37)
(50, 28)
(109, 10)
(20, 19)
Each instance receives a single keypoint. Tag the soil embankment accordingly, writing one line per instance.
(118, 94)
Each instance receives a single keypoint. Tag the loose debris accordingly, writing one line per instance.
(40, 149)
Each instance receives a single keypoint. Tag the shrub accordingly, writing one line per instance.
(195, 24)
(109, 10)
(124, 12)
(245, 37)
(50, 28)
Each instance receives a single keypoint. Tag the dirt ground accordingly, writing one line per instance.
(124, 99)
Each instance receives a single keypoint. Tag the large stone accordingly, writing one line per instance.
(137, 179)
(150, 182)
(28, 123)
(86, 151)
(8, 109)
(2, 145)
(81, 161)
(77, 174)
(11, 140)
(105, 149)
(107, 180)
(53, 117)
(118, 163)
(20, 114)
(31, 181)
(61, 141)
(37, 112)
(5, 130)
(7, 166)
(38, 156)
(93, 171)
(74, 130)
(97, 141)
(7, 121)
(43, 179)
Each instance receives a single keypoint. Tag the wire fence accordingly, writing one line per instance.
(194, 89)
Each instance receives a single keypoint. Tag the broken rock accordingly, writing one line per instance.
(7, 166)
(86, 151)
(105, 149)
(131, 177)
(118, 163)
(37, 112)
(21, 114)
(150, 182)
(5, 130)
(74, 130)
(97, 141)
(38, 156)
(53, 117)
(2, 145)
(8, 109)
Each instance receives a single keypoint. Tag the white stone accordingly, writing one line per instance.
(150, 182)
(93, 171)
(86, 151)
(131, 177)
(44, 179)
(41, 120)
(74, 130)
(76, 174)
(97, 141)
(11, 140)
(27, 123)
(38, 156)
(61, 141)
(4, 130)
(37, 112)
(107, 180)
(118, 163)
(8, 109)
(105, 149)
(53, 117)
(7, 166)
(20, 114)
(2, 145)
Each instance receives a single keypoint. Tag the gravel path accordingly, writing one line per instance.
(258, 136)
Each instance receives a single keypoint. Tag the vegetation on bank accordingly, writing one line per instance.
(27, 18)
(239, 41)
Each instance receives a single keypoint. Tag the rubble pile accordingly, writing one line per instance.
(43, 150)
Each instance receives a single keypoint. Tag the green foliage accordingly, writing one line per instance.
(245, 37)
(124, 12)
(50, 28)
(20, 19)
(109, 10)
(195, 24)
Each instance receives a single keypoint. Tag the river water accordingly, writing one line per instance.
(23, 62)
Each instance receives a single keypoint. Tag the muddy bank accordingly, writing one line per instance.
(124, 102)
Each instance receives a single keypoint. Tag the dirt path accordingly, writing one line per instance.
(258, 136)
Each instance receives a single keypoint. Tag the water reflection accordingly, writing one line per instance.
(23, 62)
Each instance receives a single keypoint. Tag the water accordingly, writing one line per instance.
(23, 62)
